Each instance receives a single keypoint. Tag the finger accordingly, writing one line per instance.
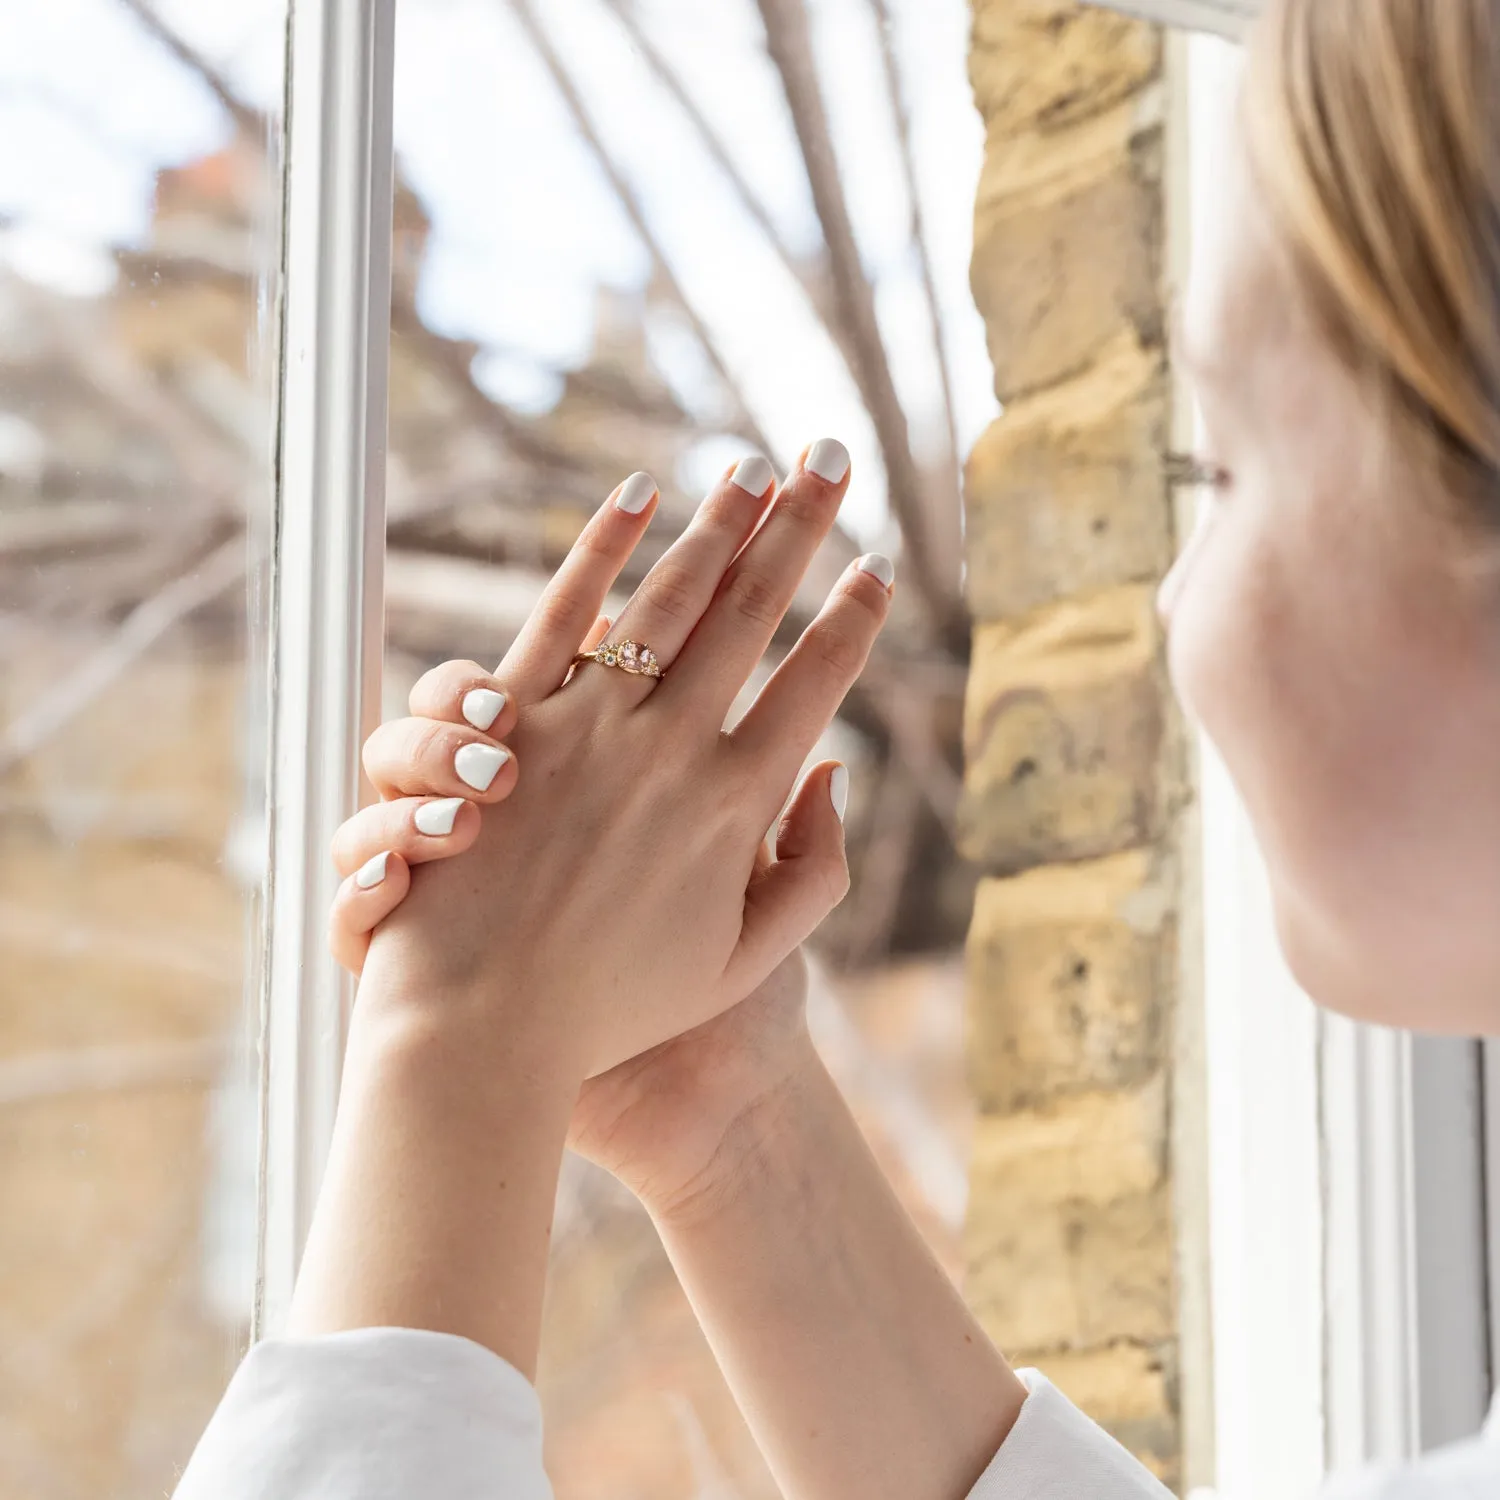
(541, 654)
(363, 902)
(803, 694)
(427, 758)
(461, 692)
(785, 904)
(419, 829)
(679, 588)
(760, 584)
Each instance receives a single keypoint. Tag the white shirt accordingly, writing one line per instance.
(393, 1414)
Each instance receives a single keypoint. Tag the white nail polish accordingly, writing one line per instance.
(878, 567)
(478, 765)
(838, 790)
(372, 872)
(482, 707)
(828, 459)
(635, 494)
(435, 819)
(753, 474)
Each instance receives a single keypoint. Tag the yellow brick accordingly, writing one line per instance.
(1069, 972)
(1095, 1150)
(1066, 492)
(1065, 725)
(1051, 62)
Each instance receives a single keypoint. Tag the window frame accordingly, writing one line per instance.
(327, 610)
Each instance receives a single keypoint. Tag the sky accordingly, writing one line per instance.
(524, 225)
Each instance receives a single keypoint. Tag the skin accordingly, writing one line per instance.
(1348, 669)
(1326, 632)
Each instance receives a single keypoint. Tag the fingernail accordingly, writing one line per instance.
(477, 765)
(435, 819)
(879, 567)
(828, 459)
(753, 474)
(838, 790)
(372, 872)
(635, 494)
(482, 707)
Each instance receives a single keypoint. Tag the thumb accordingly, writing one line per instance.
(810, 876)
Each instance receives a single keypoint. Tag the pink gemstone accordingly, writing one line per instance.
(628, 653)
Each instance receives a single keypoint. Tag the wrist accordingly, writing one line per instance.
(765, 1128)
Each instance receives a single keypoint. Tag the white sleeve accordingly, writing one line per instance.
(1055, 1453)
(378, 1414)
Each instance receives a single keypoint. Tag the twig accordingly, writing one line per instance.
(109, 1070)
(136, 634)
(950, 544)
(789, 42)
(630, 201)
(718, 151)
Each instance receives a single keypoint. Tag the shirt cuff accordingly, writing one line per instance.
(1054, 1452)
(376, 1414)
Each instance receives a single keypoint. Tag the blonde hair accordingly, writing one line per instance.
(1374, 135)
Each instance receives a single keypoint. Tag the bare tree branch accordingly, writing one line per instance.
(949, 539)
(789, 42)
(136, 634)
(37, 1076)
(525, 13)
(719, 152)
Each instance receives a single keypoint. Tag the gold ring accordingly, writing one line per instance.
(628, 656)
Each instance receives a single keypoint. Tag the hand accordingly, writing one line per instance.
(665, 1123)
(618, 900)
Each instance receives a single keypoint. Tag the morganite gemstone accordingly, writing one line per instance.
(629, 652)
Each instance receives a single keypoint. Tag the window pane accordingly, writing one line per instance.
(138, 242)
(608, 258)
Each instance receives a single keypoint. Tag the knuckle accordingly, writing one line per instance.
(431, 746)
(670, 590)
(560, 612)
(839, 650)
(756, 596)
(803, 508)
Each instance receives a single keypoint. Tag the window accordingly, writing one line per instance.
(137, 289)
(323, 326)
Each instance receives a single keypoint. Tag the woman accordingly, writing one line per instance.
(1335, 626)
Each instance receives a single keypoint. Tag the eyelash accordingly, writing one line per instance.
(1189, 471)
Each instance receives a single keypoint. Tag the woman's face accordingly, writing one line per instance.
(1347, 673)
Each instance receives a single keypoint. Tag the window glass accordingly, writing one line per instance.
(609, 258)
(138, 242)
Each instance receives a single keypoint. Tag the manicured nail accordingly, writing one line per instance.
(372, 872)
(753, 474)
(878, 567)
(635, 494)
(482, 707)
(828, 459)
(838, 790)
(477, 765)
(435, 819)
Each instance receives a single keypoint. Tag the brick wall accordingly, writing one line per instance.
(1072, 748)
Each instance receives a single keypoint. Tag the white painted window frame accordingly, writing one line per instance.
(1351, 1260)
(327, 616)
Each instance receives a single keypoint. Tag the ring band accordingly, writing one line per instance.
(628, 656)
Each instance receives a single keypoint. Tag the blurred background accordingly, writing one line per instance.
(628, 234)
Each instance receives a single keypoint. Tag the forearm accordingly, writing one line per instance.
(436, 1208)
(855, 1361)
